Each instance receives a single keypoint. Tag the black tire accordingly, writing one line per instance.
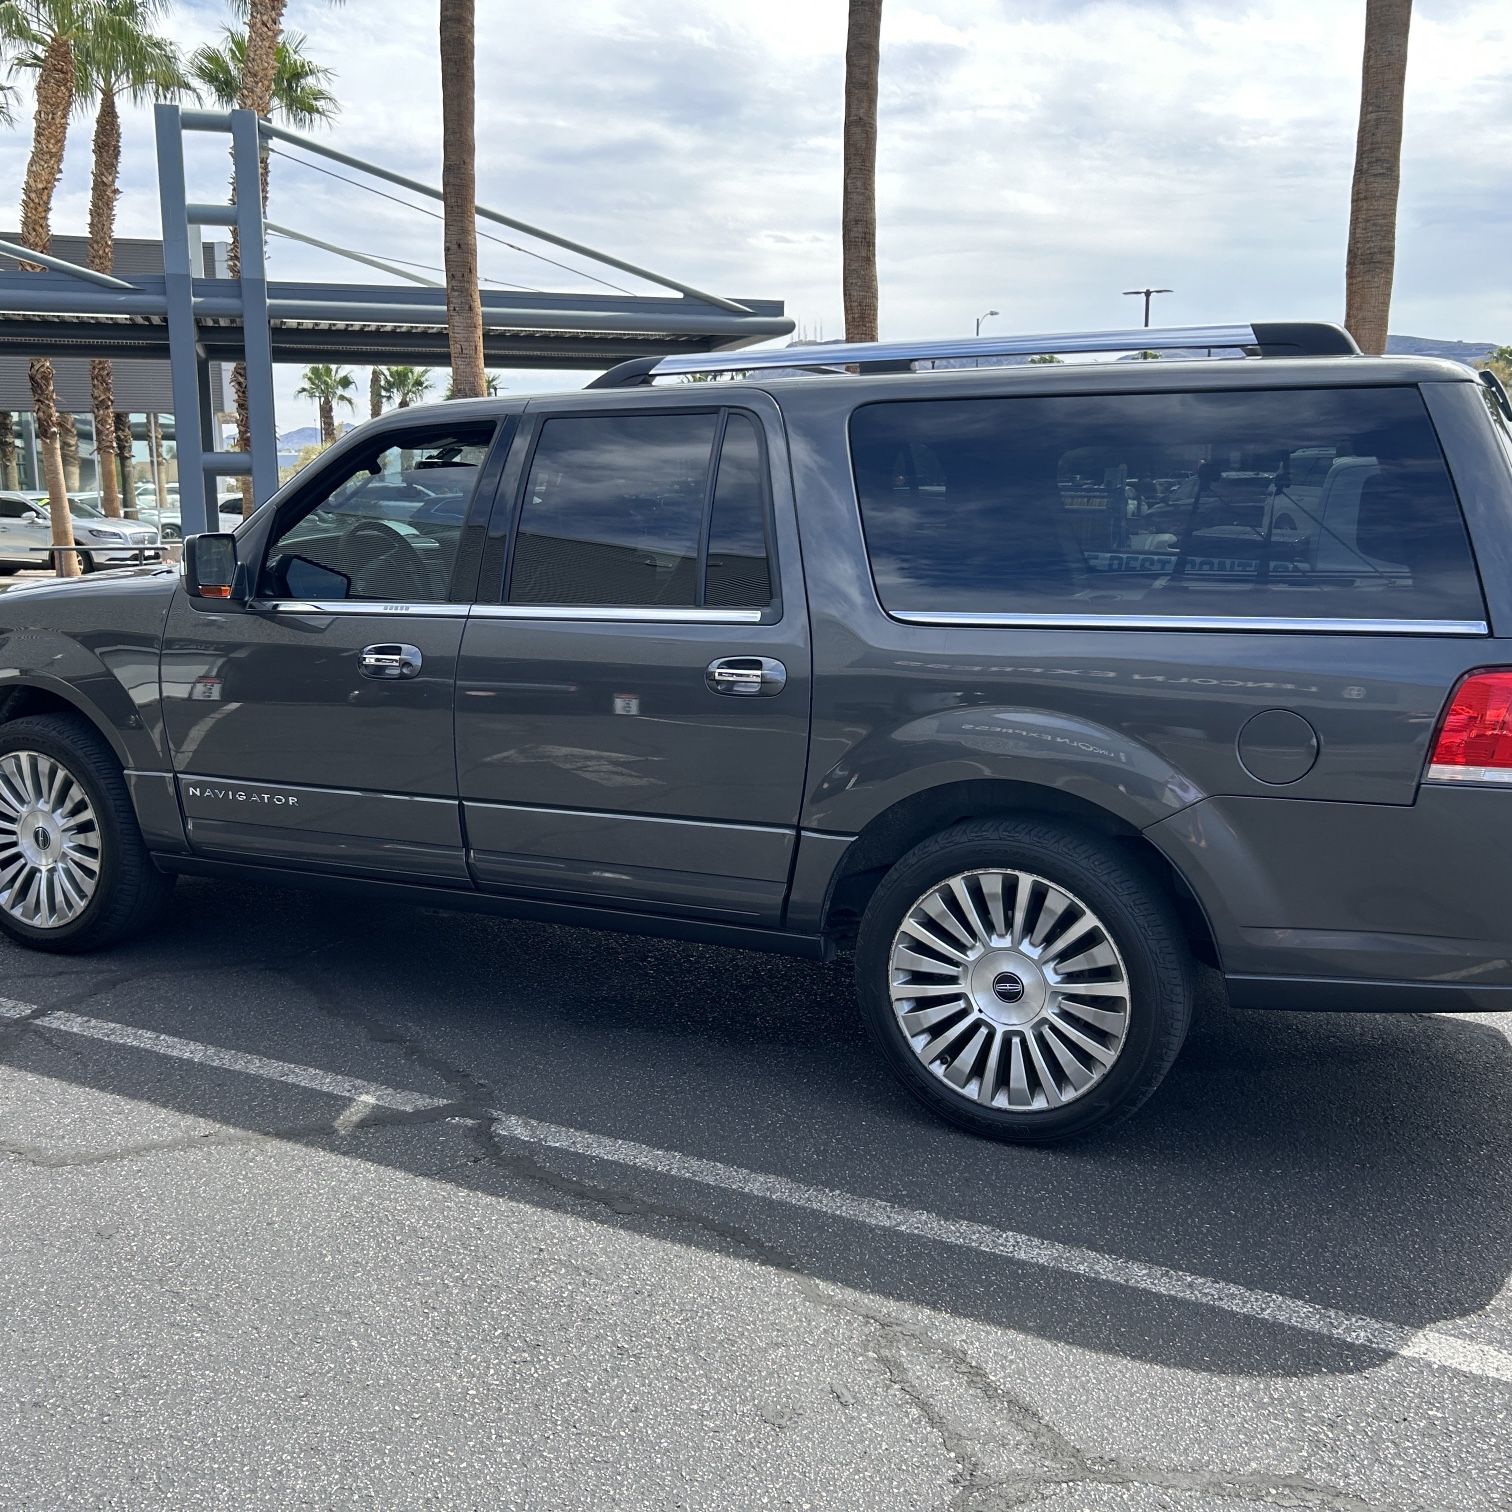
(86, 563)
(1128, 902)
(131, 891)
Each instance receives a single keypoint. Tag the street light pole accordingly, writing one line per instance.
(1148, 295)
(981, 318)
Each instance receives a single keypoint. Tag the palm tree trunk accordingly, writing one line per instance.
(10, 471)
(327, 421)
(264, 29)
(123, 450)
(102, 401)
(858, 210)
(55, 81)
(159, 463)
(68, 444)
(1371, 261)
(459, 193)
(375, 393)
(103, 192)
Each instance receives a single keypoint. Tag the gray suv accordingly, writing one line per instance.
(1034, 686)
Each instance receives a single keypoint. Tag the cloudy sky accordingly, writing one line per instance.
(1036, 156)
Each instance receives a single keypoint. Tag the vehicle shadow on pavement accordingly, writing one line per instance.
(1356, 1162)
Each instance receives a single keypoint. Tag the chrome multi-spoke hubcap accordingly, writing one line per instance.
(1010, 990)
(49, 841)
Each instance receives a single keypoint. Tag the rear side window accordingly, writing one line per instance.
(645, 511)
(1306, 504)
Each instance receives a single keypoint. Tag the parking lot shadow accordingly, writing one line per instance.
(1355, 1162)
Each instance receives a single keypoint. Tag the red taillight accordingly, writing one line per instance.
(1475, 740)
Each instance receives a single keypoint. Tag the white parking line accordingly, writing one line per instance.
(1446, 1351)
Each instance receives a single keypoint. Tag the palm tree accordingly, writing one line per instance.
(491, 386)
(1499, 361)
(459, 193)
(68, 446)
(46, 33)
(249, 73)
(858, 207)
(122, 55)
(406, 385)
(1371, 261)
(10, 472)
(375, 392)
(123, 450)
(300, 93)
(328, 386)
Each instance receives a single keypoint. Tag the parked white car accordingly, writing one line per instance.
(169, 520)
(26, 536)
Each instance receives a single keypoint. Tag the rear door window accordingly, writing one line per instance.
(1305, 504)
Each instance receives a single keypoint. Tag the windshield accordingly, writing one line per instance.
(83, 507)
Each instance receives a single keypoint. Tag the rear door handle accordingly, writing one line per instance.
(390, 661)
(746, 676)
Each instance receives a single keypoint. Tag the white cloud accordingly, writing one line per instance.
(1035, 157)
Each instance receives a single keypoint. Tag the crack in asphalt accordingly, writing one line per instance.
(1013, 1458)
(334, 999)
(1054, 1459)
(622, 1204)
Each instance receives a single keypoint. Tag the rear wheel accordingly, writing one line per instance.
(1025, 980)
(74, 872)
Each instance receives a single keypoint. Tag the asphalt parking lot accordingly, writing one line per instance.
(313, 1203)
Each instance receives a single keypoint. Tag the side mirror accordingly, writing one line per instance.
(210, 566)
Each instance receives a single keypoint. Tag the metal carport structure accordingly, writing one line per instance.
(191, 320)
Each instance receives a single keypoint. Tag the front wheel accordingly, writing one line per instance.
(74, 872)
(1025, 980)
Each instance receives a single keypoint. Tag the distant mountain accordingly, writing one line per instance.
(307, 435)
(1424, 346)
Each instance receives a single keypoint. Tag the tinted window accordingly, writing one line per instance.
(1317, 503)
(618, 509)
(738, 575)
(388, 526)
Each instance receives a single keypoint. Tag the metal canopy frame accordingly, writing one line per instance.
(193, 320)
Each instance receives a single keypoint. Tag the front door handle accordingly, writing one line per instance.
(746, 676)
(390, 661)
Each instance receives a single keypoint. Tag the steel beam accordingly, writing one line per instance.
(352, 256)
(246, 149)
(61, 265)
(415, 186)
(184, 359)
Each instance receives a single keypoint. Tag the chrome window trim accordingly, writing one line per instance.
(360, 606)
(1258, 623)
(640, 615)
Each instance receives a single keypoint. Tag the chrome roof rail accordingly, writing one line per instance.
(1261, 339)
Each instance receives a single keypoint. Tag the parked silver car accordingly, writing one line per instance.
(26, 535)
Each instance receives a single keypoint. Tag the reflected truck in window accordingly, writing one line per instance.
(1039, 689)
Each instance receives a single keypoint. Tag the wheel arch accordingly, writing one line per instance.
(32, 694)
(896, 830)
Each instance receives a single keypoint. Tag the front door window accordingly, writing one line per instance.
(388, 528)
